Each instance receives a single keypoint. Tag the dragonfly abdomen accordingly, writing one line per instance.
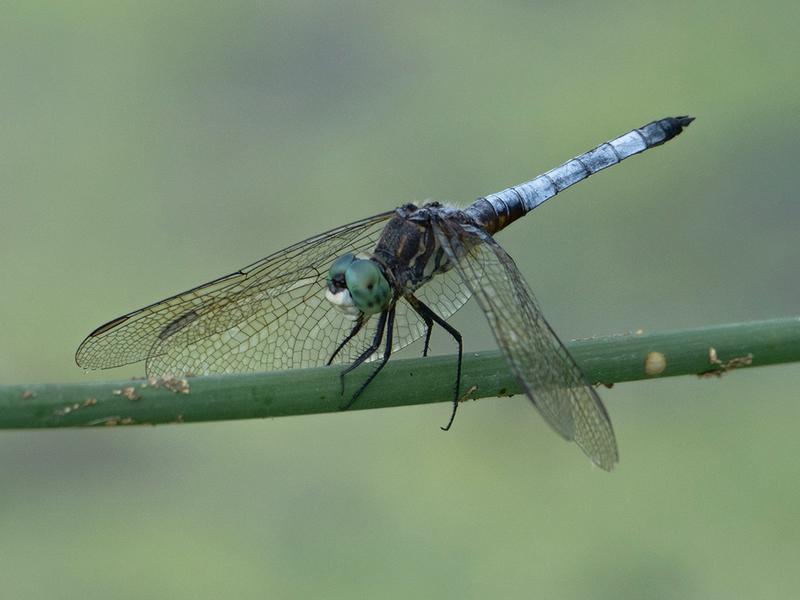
(496, 211)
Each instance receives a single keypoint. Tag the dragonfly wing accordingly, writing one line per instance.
(271, 314)
(541, 363)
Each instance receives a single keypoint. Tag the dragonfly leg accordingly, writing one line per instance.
(428, 315)
(376, 343)
(428, 329)
(387, 320)
(356, 328)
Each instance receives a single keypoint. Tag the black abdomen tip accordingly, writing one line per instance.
(677, 124)
(663, 130)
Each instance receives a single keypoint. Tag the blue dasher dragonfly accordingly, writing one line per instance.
(334, 297)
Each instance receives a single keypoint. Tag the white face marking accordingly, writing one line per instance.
(343, 302)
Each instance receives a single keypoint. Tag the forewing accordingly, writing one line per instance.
(271, 314)
(541, 363)
(305, 335)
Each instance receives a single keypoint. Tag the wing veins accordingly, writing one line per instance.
(560, 391)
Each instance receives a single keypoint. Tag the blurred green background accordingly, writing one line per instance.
(146, 147)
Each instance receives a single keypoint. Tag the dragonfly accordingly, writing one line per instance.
(360, 292)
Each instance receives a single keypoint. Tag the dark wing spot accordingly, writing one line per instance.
(110, 325)
(178, 324)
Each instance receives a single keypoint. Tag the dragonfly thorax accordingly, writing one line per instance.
(357, 286)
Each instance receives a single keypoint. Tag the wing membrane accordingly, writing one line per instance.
(223, 314)
(541, 363)
(269, 315)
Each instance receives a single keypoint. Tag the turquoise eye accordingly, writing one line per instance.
(368, 287)
(338, 268)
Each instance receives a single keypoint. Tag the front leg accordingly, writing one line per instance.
(389, 321)
(356, 328)
(373, 347)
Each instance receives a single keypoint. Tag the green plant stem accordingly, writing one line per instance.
(606, 360)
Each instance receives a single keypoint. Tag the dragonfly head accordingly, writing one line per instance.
(357, 285)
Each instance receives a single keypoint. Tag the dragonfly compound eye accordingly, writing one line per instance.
(368, 287)
(336, 273)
